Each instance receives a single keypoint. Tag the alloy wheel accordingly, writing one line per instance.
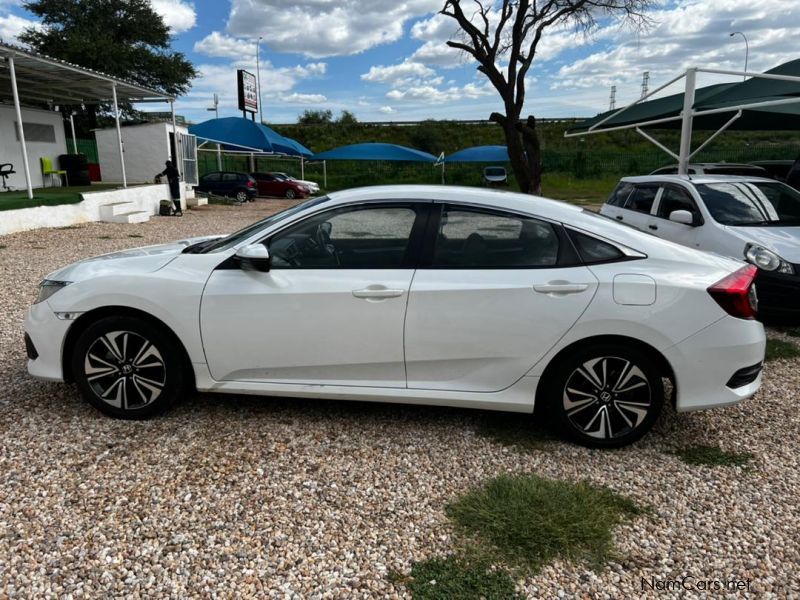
(241, 196)
(607, 397)
(125, 370)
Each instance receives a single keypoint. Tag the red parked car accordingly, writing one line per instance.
(269, 185)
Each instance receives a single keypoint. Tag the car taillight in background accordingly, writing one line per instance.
(251, 183)
(736, 293)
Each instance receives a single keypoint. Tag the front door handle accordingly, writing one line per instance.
(377, 293)
(618, 217)
(561, 288)
(653, 227)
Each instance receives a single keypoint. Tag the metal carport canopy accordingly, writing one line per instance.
(26, 76)
(767, 101)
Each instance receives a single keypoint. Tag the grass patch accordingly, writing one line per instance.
(3, 246)
(778, 349)
(517, 431)
(528, 521)
(49, 196)
(561, 186)
(453, 579)
(713, 456)
(790, 331)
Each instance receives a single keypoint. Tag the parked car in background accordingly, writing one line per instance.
(270, 185)
(748, 170)
(231, 184)
(416, 294)
(312, 186)
(752, 219)
(495, 176)
(777, 169)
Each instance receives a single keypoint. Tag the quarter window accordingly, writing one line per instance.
(361, 238)
(593, 250)
(473, 239)
(642, 198)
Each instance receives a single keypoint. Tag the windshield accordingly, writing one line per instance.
(495, 171)
(751, 203)
(243, 234)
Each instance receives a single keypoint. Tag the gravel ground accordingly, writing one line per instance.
(230, 496)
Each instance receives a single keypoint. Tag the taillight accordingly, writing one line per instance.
(251, 183)
(736, 293)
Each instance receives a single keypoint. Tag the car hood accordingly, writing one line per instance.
(135, 260)
(783, 241)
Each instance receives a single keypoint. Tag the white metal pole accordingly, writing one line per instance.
(176, 160)
(219, 157)
(258, 80)
(302, 168)
(74, 139)
(686, 122)
(325, 174)
(119, 136)
(21, 129)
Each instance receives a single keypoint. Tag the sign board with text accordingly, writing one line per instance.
(248, 91)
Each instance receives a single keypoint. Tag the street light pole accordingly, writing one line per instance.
(258, 79)
(746, 50)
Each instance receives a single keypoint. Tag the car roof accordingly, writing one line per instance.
(694, 179)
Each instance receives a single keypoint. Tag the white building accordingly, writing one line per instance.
(45, 137)
(146, 148)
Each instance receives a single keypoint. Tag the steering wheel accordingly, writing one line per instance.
(322, 238)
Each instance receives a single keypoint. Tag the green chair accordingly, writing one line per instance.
(49, 171)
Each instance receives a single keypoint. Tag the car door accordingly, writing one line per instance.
(613, 207)
(228, 184)
(500, 290)
(209, 182)
(639, 205)
(672, 198)
(329, 312)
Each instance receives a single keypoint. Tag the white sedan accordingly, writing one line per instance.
(414, 294)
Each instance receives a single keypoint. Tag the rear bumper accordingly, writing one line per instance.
(724, 353)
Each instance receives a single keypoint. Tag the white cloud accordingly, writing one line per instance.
(178, 15)
(296, 98)
(319, 28)
(11, 26)
(430, 94)
(387, 110)
(401, 72)
(222, 46)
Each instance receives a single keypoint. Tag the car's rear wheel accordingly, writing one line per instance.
(290, 194)
(128, 368)
(605, 396)
(241, 196)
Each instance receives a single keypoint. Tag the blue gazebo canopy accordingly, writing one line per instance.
(482, 154)
(375, 151)
(243, 134)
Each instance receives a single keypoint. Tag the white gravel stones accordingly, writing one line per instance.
(230, 496)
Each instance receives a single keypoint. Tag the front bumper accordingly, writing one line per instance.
(778, 294)
(46, 333)
(706, 362)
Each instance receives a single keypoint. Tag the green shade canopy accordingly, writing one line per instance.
(735, 96)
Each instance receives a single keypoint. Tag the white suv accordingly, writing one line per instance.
(749, 218)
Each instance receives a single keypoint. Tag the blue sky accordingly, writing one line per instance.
(386, 60)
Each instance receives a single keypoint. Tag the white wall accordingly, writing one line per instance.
(11, 151)
(146, 149)
(144, 197)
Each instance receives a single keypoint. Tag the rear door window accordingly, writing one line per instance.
(620, 194)
(642, 198)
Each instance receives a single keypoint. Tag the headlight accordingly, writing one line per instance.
(766, 260)
(48, 287)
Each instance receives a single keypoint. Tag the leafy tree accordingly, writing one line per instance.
(315, 117)
(502, 36)
(347, 118)
(123, 38)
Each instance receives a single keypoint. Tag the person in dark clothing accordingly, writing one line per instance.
(174, 180)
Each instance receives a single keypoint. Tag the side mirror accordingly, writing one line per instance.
(681, 216)
(254, 257)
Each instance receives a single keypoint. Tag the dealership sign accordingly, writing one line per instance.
(248, 92)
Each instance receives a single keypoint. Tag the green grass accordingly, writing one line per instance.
(453, 579)
(781, 349)
(790, 331)
(514, 430)
(562, 186)
(712, 456)
(49, 196)
(3, 246)
(528, 521)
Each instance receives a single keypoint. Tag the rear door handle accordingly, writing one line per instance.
(561, 288)
(653, 227)
(618, 218)
(377, 293)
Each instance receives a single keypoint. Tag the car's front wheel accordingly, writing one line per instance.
(128, 368)
(605, 396)
(290, 194)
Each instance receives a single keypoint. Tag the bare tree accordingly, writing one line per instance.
(496, 31)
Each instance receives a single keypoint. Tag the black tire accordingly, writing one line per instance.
(290, 194)
(242, 196)
(128, 368)
(608, 410)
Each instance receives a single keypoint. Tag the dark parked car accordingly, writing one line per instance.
(777, 169)
(229, 183)
(272, 185)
